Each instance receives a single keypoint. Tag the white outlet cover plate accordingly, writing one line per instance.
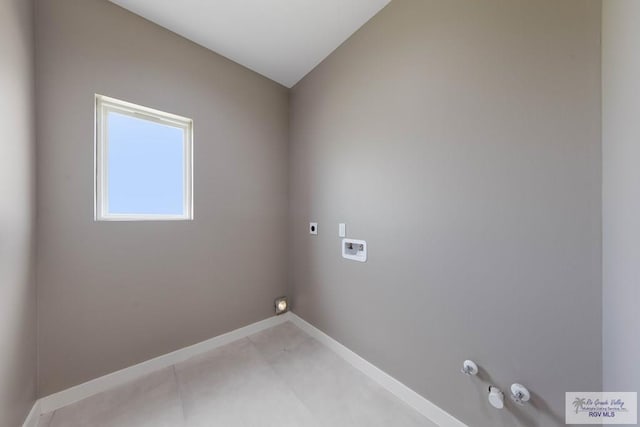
(313, 228)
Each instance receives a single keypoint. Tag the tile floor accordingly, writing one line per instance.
(278, 377)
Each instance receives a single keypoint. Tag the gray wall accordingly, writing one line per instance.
(461, 139)
(621, 194)
(17, 214)
(112, 294)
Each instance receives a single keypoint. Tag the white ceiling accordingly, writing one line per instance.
(280, 39)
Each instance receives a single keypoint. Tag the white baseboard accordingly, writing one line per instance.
(74, 394)
(114, 379)
(34, 415)
(401, 391)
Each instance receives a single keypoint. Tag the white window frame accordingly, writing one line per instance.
(105, 105)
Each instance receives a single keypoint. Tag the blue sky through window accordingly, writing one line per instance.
(146, 166)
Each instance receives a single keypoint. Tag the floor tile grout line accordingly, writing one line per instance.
(364, 377)
(308, 337)
(184, 411)
(286, 384)
(283, 380)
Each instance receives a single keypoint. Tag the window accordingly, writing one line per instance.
(143, 163)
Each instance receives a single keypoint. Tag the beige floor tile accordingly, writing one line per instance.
(151, 401)
(285, 337)
(235, 386)
(280, 377)
(339, 394)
